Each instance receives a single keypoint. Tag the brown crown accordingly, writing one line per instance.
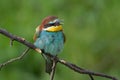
(46, 20)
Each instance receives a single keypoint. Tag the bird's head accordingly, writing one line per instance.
(50, 24)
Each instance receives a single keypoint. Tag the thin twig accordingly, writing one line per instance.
(67, 64)
(11, 42)
(14, 59)
(91, 77)
(53, 69)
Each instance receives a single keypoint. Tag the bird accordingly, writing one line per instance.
(49, 37)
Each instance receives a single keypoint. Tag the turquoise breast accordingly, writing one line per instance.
(50, 42)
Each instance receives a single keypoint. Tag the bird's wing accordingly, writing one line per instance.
(37, 33)
(64, 37)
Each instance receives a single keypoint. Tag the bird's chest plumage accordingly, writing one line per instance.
(50, 42)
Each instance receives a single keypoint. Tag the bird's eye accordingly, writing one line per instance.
(49, 24)
(56, 23)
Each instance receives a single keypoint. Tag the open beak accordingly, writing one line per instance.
(58, 21)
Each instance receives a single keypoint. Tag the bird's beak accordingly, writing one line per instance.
(59, 21)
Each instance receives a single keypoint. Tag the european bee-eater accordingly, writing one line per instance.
(49, 37)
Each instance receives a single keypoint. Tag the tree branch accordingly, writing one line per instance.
(31, 46)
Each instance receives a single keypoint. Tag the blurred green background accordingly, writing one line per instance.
(92, 29)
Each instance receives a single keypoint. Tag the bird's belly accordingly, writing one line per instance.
(51, 43)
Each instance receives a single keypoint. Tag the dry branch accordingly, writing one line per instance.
(31, 46)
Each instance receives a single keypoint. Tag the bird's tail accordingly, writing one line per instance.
(49, 64)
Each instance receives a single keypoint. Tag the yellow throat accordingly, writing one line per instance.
(54, 28)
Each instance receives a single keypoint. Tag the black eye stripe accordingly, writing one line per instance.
(51, 24)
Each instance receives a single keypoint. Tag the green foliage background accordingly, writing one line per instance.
(92, 29)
